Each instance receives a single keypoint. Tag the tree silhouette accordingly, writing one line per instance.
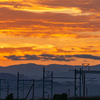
(9, 97)
(60, 96)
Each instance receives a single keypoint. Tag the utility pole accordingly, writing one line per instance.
(80, 83)
(7, 88)
(0, 89)
(17, 85)
(33, 90)
(83, 85)
(47, 74)
(83, 73)
(23, 89)
(75, 84)
(51, 84)
(32, 87)
(43, 80)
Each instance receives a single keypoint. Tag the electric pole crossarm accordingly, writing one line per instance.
(64, 77)
(25, 80)
(88, 71)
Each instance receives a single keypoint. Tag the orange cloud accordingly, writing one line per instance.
(59, 27)
(17, 51)
(84, 5)
(21, 23)
(40, 50)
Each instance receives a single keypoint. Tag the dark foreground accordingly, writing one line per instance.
(87, 98)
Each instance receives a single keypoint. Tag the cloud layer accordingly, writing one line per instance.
(50, 22)
(52, 57)
(50, 30)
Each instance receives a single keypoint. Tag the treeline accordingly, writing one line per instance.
(57, 97)
(86, 98)
(60, 96)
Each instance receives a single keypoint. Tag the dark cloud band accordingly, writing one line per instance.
(44, 57)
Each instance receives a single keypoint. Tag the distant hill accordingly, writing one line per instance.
(32, 69)
(7, 76)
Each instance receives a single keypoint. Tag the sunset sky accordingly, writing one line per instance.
(49, 32)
